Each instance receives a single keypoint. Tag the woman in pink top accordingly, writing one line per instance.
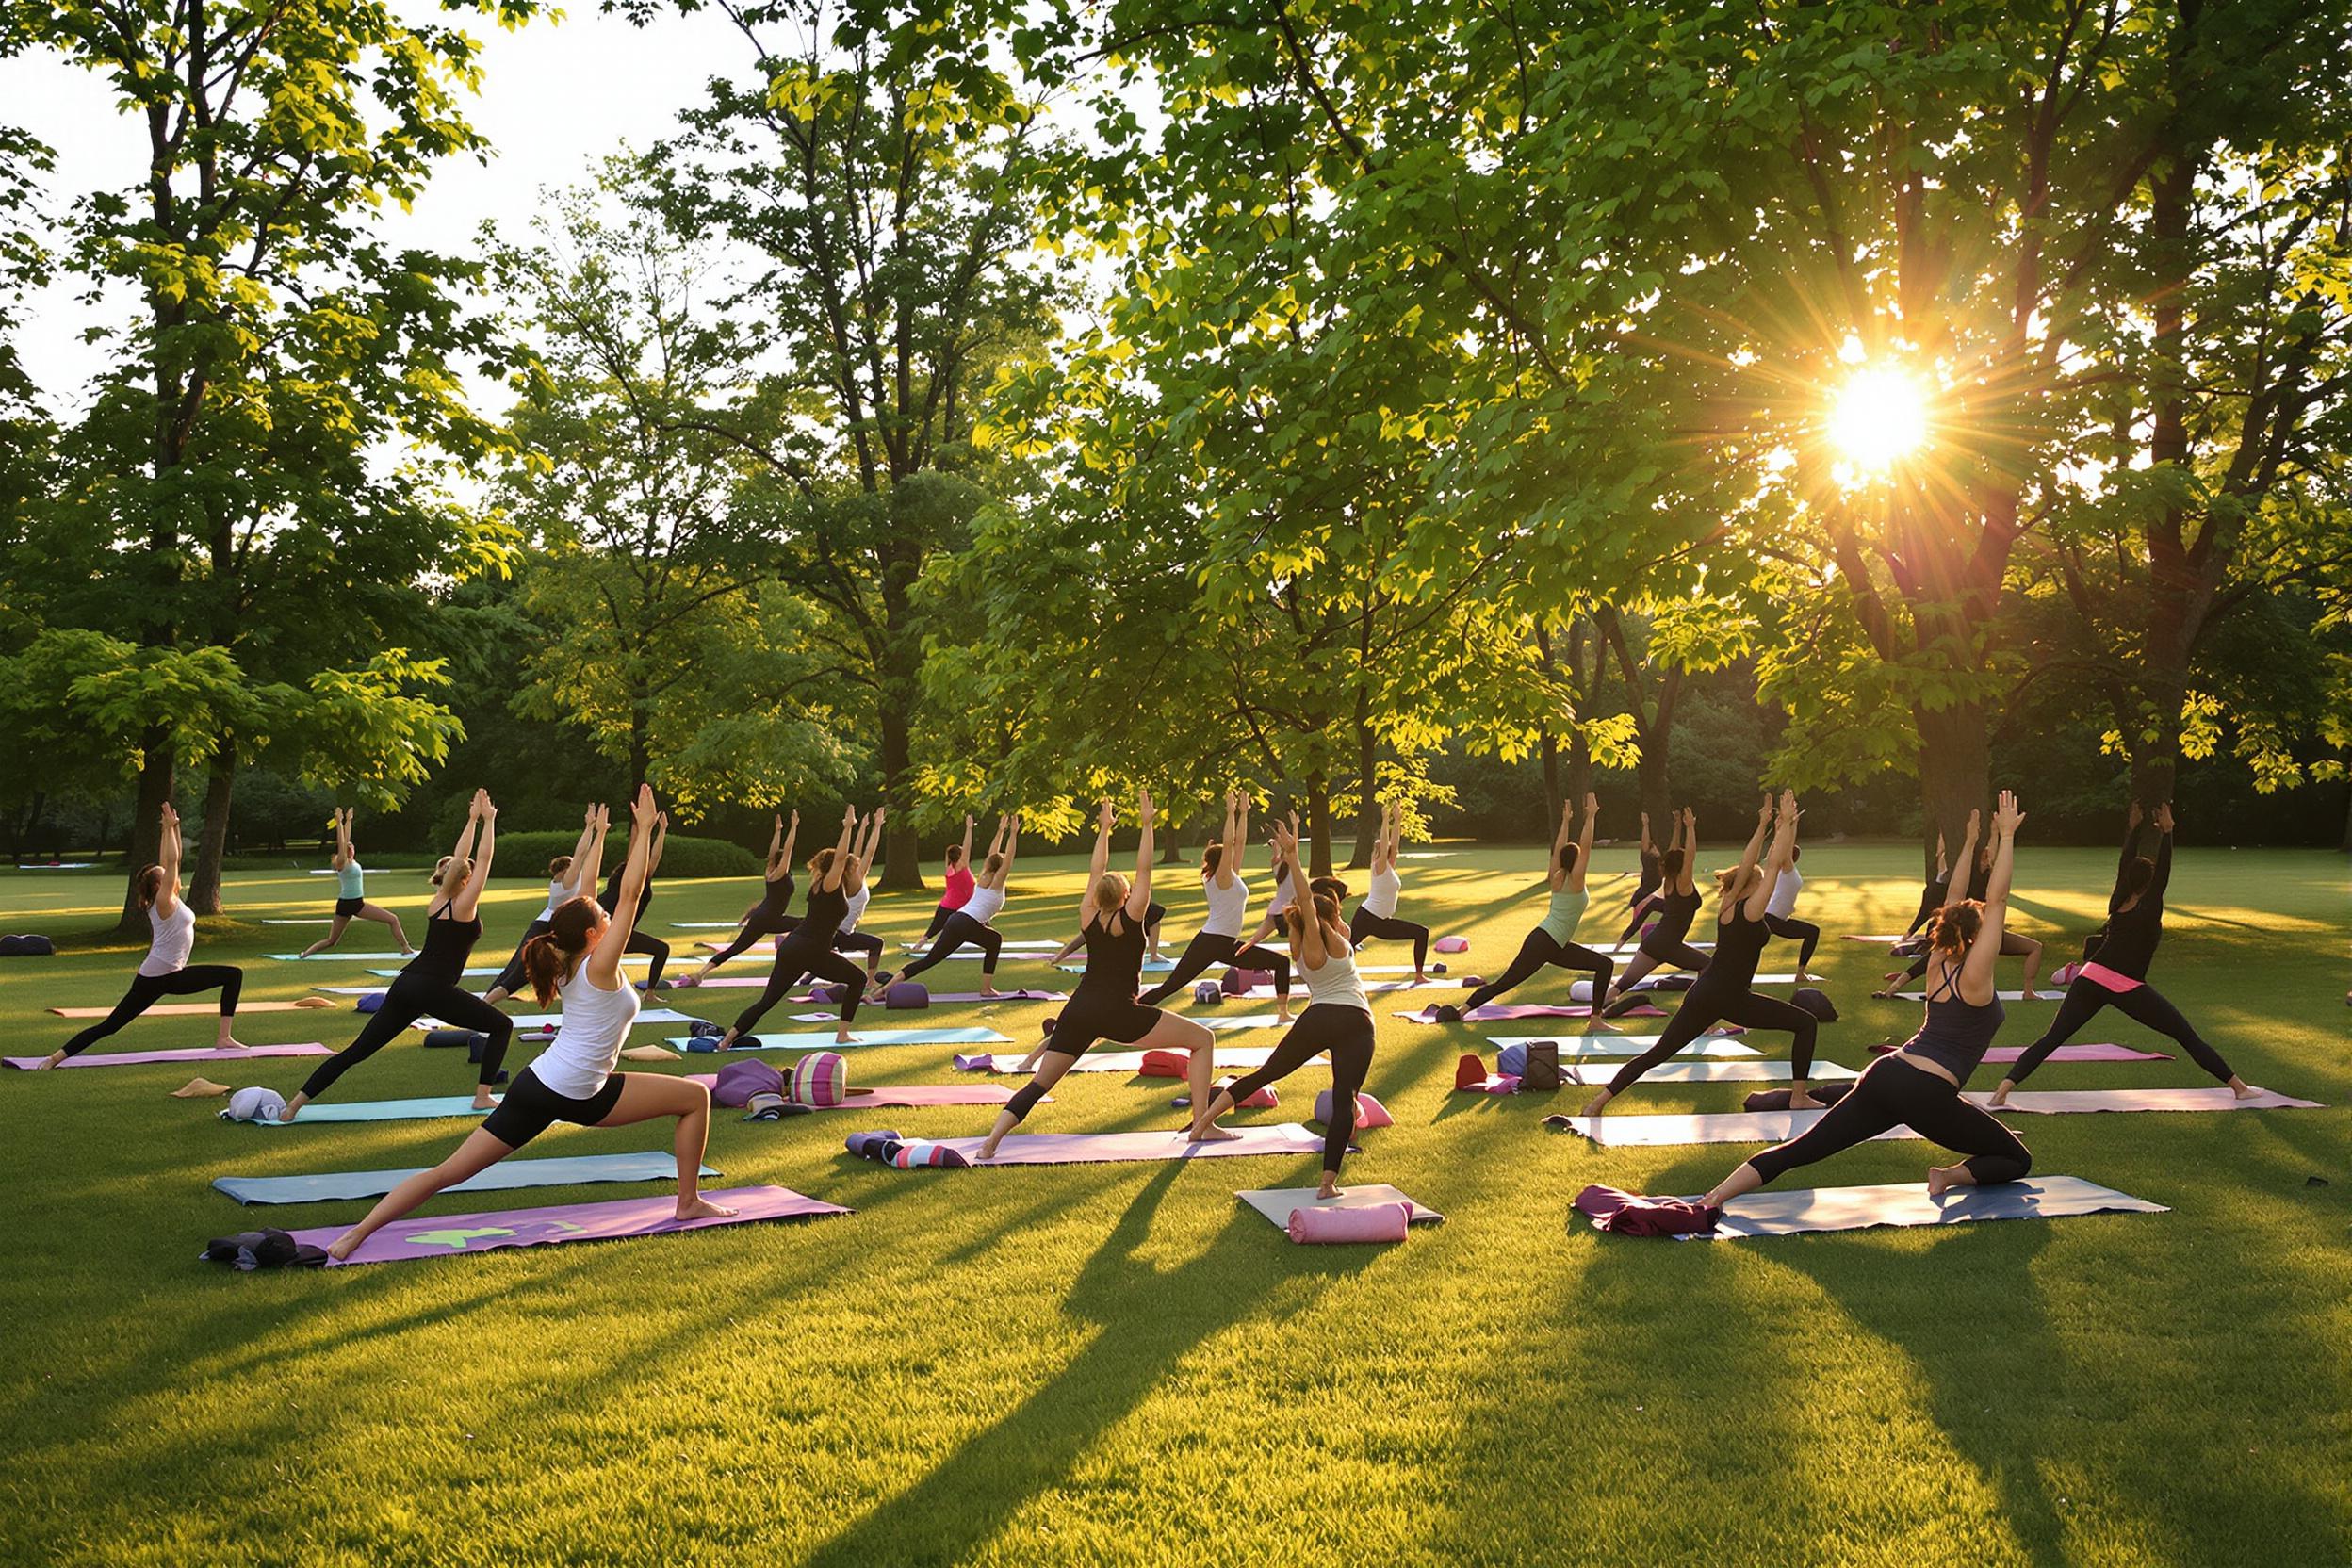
(959, 882)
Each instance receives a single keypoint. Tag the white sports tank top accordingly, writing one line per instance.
(1380, 899)
(587, 1043)
(1228, 907)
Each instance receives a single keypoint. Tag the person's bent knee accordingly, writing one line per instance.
(1024, 1099)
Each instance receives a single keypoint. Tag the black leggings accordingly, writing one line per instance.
(757, 925)
(147, 989)
(1704, 1006)
(795, 958)
(405, 1001)
(659, 950)
(956, 930)
(1537, 951)
(1893, 1093)
(1204, 949)
(2011, 946)
(2145, 1005)
(1365, 926)
(511, 978)
(939, 918)
(858, 941)
(1796, 931)
(1344, 1032)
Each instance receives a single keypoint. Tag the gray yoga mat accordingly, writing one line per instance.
(1799, 1211)
(1279, 1203)
(1622, 1132)
(1625, 1045)
(562, 1170)
(1706, 1072)
(823, 1041)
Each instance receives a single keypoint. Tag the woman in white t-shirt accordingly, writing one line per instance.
(165, 970)
(1780, 916)
(968, 923)
(1219, 941)
(573, 1080)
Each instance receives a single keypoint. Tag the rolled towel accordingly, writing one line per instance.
(905, 996)
(1166, 1064)
(922, 1152)
(1452, 944)
(871, 1146)
(1311, 1224)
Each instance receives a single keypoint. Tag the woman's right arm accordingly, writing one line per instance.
(831, 882)
(1140, 893)
(1096, 866)
(645, 825)
(1976, 971)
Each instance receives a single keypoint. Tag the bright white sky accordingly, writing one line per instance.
(555, 97)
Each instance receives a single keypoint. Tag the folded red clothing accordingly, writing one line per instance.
(1627, 1214)
(1166, 1064)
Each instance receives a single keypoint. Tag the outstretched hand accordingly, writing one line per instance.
(2006, 817)
(642, 810)
(2163, 818)
(1144, 813)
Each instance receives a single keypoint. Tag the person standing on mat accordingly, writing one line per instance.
(958, 878)
(434, 984)
(1219, 941)
(1338, 1021)
(2012, 944)
(2117, 975)
(1932, 898)
(165, 970)
(639, 942)
(1103, 1008)
(1374, 919)
(565, 884)
(808, 947)
(351, 893)
(1724, 990)
(1677, 905)
(572, 1080)
(1653, 869)
(969, 925)
(1151, 918)
(1781, 914)
(767, 917)
(860, 893)
(1553, 943)
(1918, 1086)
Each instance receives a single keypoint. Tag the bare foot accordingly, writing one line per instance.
(2030, 994)
(56, 1058)
(484, 1100)
(1800, 1100)
(697, 1208)
(2245, 1090)
(726, 1041)
(986, 1151)
(1420, 979)
(230, 1042)
(1594, 1105)
(1211, 1133)
(1330, 1186)
(1281, 1015)
(991, 992)
(1941, 1179)
(841, 1037)
(343, 1246)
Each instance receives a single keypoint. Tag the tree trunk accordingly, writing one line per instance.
(1548, 744)
(203, 893)
(901, 850)
(1319, 824)
(1367, 782)
(1955, 774)
(154, 790)
(1171, 849)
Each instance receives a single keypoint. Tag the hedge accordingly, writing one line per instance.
(525, 855)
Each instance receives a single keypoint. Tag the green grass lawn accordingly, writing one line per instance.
(1118, 1364)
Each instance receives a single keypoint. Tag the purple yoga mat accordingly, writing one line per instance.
(138, 1058)
(1287, 1138)
(2064, 1053)
(1530, 1009)
(900, 1095)
(444, 1234)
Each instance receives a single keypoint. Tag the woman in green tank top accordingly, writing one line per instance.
(351, 890)
(1552, 943)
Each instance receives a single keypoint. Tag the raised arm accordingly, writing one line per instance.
(2131, 820)
(1010, 834)
(1649, 846)
(466, 837)
(2164, 849)
(1976, 971)
(1749, 856)
(831, 881)
(1140, 893)
(573, 886)
(588, 861)
(965, 861)
(1777, 858)
(1584, 843)
(660, 843)
(791, 840)
(1236, 836)
(862, 852)
(1684, 883)
(646, 827)
(468, 897)
(1312, 953)
(1099, 864)
(776, 848)
(1957, 888)
(168, 857)
(1561, 835)
(342, 856)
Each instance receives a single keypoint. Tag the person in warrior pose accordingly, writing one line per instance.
(638, 940)
(1677, 905)
(165, 970)
(849, 938)
(2116, 976)
(1918, 1085)
(573, 1080)
(434, 984)
(1781, 915)
(1151, 918)
(1374, 919)
(1219, 941)
(959, 881)
(1653, 871)
(1338, 1021)
(2012, 944)
(351, 893)
(767, 917)
(1104, 1009)
(808, 947)
(1726, 989)
(1932, 897)
(568, 877)
(1553, 943)
(969, 925)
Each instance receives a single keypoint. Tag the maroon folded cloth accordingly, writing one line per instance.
(1627, 1214)
(1778, 1100)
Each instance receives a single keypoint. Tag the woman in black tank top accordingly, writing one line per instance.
(1918, 1085)
(434, 984)
(807, 949)
(1673, 906)
(1103, 1005)
(767, 917)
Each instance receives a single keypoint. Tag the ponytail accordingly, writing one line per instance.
(1955, 927)
(150, 885)
(556, 951)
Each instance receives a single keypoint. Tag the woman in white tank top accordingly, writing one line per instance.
(1376, 917)
(569, 877)
(968, 923)
(1220, 938)
(580, 958)
(1338, 1020)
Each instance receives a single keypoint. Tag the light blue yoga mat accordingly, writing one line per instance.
(824, 1041)
(559, 1172)
(1625, 1045)
(381, 1110)
(548, 1020)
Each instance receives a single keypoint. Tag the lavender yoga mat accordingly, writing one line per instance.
(140, 1058)
(2064, 1053)
(1625, 1045)
(1617, 1132)
(444, 1234)
(1494, 1010)
(1242, 1056)
(1706, 1073)
(197, 1009)
(900, 1096)
(1801, 1210)
(1286, 1138)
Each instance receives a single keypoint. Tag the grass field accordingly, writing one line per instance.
(1117, 1365)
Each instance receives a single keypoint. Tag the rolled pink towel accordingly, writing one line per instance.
(1310, 1223)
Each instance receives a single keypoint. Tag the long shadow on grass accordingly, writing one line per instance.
(1149, 1319)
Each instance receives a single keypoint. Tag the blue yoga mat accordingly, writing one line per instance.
(559, 1172)
(381, 1110)
(824, 1041)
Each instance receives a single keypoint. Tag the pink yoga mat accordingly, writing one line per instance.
(444, 1234)
(1286, 1138)
(140, 1058)
(1528, 1009)
(899, 1096)
(2064, 1053)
